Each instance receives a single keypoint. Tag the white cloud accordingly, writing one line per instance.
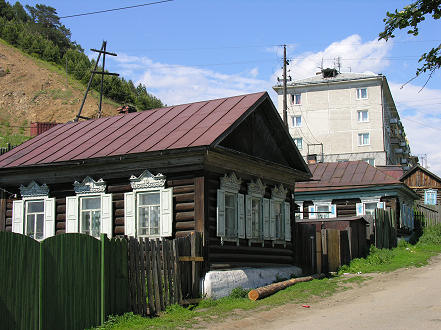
(412, 98)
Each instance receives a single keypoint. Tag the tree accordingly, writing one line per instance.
(409, 18)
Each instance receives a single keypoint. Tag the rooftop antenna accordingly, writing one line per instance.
(102, 73)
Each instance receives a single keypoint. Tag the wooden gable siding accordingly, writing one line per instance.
(230, 255)
(421, 180)
(346, 207)
(184, 220)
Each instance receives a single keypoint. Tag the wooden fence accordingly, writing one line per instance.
(6, 149)
(385, 229)
(428, 215)
(74, 281)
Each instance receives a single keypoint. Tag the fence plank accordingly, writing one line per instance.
(149, 275)
(166, 259)
(155, 276)
(177, 272)
(333, 249)
(142, 275)
(159, 264)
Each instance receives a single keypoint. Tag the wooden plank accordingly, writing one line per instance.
(168, 255)
(197, 259)
(142, 273)
(174, 263)
(165, 259)
(160, 275)
(2, 210)
(149, 273)
(155, 276)
(177, 271)
(333, 249)
(318, 249)
(199, 204)
(132, 293)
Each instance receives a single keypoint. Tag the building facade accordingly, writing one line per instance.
(345, 117)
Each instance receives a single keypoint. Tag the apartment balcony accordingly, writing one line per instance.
(395, 140)
(403, 143)
(393, 121)
(398, 150)
(404, 161)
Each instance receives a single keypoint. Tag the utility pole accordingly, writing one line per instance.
(285, 104)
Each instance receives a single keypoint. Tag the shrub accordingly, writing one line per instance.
(239, 293)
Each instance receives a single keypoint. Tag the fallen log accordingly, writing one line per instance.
(270, 289)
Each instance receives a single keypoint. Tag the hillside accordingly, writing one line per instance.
(33, 90)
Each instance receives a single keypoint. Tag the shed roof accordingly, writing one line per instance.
(344, 175)
(177, 128)
(423, 169)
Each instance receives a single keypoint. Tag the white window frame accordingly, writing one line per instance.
(256, 192)
(359, 93)
(34, 192)
(296, 140)
(81, 197)
(360, 116)
(89, 188)
(296, 120)
(294, 99)
(360, 208)
(430, 192)
(314, 212)
(361, 139)
(148, 183)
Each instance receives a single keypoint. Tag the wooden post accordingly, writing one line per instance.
(333, 249)
(318, 249)
(2, 210)
(325, 260)
(149, 272)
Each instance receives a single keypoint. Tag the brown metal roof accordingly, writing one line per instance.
(182, 126)
(343, 175)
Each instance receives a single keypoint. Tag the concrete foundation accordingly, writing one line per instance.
(220, 283)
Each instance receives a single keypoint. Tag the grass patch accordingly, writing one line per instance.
(209, 309)
(13, 139)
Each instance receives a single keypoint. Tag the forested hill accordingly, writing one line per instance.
(38, 31)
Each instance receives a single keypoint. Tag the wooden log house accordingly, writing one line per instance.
(425, 183)
(224, 167)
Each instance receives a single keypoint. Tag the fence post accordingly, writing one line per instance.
(103, 278)
(40, 290)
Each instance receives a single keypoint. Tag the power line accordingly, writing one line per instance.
(116, 9)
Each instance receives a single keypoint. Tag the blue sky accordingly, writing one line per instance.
(190, 50)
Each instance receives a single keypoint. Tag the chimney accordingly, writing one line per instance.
(311, 159)
(38, 128)
(329, 73)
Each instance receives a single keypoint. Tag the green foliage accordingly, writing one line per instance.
(409, 18)
(431, 235)
(239, 293)
(41, 34)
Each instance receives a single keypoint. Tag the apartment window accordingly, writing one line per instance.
(90, 215)
(370, 161)
(363, 116)
(430, 197)
(148, 209)
(149, 213)
(362, 93)
(296, 121)
(363, 139)
(90, 210)
(296, 99)
(299, 143)
(342, 160)
(34, 214)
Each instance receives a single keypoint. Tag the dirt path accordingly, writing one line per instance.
(404, 299)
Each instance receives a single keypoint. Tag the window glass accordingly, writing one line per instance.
(280, 227)
(370, 161)
(363, 116)
(90, 215)
(361, 93)
(256, 216)
(296, 121)
(363, 139)
(148, 214)
(296, 99)
(369, 208)
(299, 143)
(230, 215)
(322, 211)
(34, 219)
(430, 197)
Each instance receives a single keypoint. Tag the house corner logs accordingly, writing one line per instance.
(268, 290)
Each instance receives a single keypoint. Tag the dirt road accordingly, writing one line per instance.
(404, 299)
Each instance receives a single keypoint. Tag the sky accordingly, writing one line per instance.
(190, 50)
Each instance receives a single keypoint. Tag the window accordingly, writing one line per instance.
(230, 215)
(370, 161)
(362, 93)
(363, 139)
(342, 160)
(257, 212)
(298, 142)
(430, 196)
(296, 99)
(368, 207)
(256, 217)
(90, 210)
(363, 116)
(322, 210)
(296, 121)
(148, 209)
(280, 216)
(35, 219)
(34, 214)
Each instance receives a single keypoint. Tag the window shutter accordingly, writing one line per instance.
(220, 213)
(434, 192)
(272, 220)
(287, 220)
(17, 216)
(380, 205)
(266, 218)
(49, 217)
(106, 215)
(359, 208)
(311, 212)
(240, 216)
(129, 214)
(166, 221)
(301, 211)
(248, 214)
(72, 214)
(333, 210)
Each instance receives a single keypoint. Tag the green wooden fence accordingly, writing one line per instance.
(69, 281)
(385, 229)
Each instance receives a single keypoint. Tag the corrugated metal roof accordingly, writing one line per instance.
(181, 126)
(342, 175)
(395, 171)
